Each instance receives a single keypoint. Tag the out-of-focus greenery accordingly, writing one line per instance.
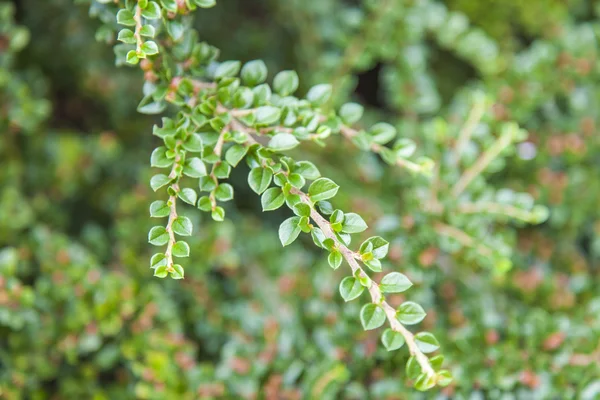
(515, 306)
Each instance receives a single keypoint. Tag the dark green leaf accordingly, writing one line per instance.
(259, 179)
(272, 199)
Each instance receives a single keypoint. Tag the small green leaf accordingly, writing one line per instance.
(413, 369)
(410, 313)
(150, 48)
(132, 57)
(286, 82)
(395, 282)
(204, 203)
(159, 158)
(227, 69)
(161, 272)
(126, 36)
(159, 209)
(125, 17)
(350, 288)
(182, 226)
(222, 170)
(194, 168)
(181, 249)
(424, 382)
(158, 236)
(353, 223)
(169, 5)
(205, 3)
(374, 265)
(372, 316)
(426, 342)
(444, 378)
(289, 230)
(297, 180)
(158, 260)
(259, 179)
(224, 192)
(188, 195)
(254, 72)
(350, 113)
(267, 115)
(218, 214)
(177, 272)
(436, 362)
(335, 259)
(382, 132)
(158, 181)
(152, 11)
(392, 340)
(322, 189)
(148, 31)
(378, 246)
(302, 210)
(404, 147)
(283, 141)
(307, 170)
(235, 154)
(272, 199)
(319, 94)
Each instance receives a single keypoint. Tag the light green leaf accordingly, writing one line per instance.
(161, 272)
(150, 48)
(319, 94)
(125, 17)
(235, 154)
(307, 170)
(350, 288)
(283, 141)
(152, 11)
(335, 259)
(227, 69)
(218, 214)
(322, 189)
(188, 195)
(395, 282)
(158, 236)
(272, 199)
(181, 249)
(286, 82)
(392, 340)
(159, 209)
(378, 246)
(410, 313)
(267, 115)
(177, 272)
(289, 230)
(259, 179)
(182, 226)
(372, 316)
(254, 72)
(205, 3)
(382, 132)
(351, 113)
(148, 31)
(126, 36)
(353, 223)
(194, 168)
(426, 342)
(158, 181)
(224, 192)
(158, 260)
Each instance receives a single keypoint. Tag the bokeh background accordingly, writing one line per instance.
(81, 316)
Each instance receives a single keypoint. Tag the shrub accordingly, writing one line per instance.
(435, 179)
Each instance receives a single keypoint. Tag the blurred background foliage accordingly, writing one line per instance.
(82, 317)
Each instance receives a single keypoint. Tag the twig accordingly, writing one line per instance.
(374, 291)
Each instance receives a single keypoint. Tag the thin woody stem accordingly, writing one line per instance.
(374, 290)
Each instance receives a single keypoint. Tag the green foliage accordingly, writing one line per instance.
(451, 207)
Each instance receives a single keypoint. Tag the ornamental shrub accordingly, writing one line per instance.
(344, 199)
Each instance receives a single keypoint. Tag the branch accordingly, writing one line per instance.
(374, 290)
(481, 164)
(495, 208)
(462, 238)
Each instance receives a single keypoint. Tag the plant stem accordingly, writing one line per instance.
(374, 291)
